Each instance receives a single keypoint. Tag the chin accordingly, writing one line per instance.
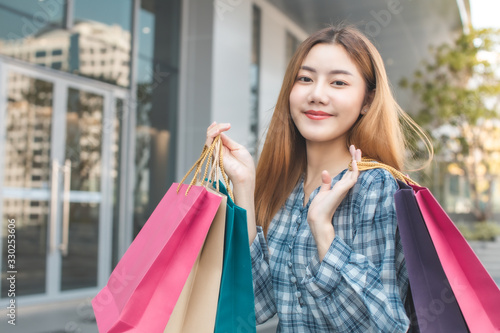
(317, 136)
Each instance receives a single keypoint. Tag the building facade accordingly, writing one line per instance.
(103, 104)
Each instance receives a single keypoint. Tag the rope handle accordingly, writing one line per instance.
(367, 164)
(210, 157)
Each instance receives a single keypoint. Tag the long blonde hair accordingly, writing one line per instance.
(378, 133)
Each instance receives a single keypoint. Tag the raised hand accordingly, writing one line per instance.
(326, 202)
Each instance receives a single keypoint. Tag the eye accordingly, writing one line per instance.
(304, 79)
(339, 83)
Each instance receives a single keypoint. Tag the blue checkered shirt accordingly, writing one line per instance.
(362, 282)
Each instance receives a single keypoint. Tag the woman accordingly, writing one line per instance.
(326, 254)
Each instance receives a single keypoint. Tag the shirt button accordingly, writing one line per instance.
(290, 264)
(293, 279)
(298, 294)
(290, 247)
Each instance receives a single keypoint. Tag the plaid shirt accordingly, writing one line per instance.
(362, 282)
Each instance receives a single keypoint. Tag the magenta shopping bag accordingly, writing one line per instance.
(476, 292)
(144, 287)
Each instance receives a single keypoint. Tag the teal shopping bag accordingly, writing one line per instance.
(235, 310)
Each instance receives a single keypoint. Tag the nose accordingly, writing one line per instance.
(318, 93)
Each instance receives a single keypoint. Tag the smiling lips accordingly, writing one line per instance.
(317, 115)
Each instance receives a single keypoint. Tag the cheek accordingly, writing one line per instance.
(353, 102)
(298, 94)
(294, 101)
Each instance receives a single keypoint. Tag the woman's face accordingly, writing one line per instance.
(328, 94)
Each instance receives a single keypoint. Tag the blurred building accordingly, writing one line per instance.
(103, 104)
(90, 49)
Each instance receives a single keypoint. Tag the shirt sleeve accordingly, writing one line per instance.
(357, 286)
(265, 306)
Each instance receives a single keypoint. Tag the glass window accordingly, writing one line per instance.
(103, 35)
(27, 18)
(32, 29)
(158, 80)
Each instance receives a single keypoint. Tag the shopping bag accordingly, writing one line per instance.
(144, 286)
(475, 290)
(143, 289)
(196, 307)
(436, 308)
(235, 311)
(476, 293)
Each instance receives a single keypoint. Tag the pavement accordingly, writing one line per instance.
(74, 316)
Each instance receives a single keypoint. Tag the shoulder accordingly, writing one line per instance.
(374, 184)
(373, 195)
(376, 177)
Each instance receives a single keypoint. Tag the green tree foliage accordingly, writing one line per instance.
(458, 96)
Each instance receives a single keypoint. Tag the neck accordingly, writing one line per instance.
(332, 156)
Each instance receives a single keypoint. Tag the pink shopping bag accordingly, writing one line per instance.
(144, 287)
(477, 294)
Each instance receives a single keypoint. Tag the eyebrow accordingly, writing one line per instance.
(335, 71)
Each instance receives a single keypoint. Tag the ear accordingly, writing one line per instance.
(368, 101)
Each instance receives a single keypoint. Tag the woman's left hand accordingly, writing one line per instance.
(326, 202)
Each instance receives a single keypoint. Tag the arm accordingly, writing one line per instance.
(357, 287)
(265, 306)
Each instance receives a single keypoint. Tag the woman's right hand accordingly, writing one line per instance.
(238, 163)
(240, 167)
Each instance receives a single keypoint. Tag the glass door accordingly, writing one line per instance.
(27, 125)
(55, 183)
(82, 196)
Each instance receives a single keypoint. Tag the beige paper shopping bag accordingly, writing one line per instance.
(196, 307)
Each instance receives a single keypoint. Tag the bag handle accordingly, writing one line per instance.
(210, 157)
(368, 163)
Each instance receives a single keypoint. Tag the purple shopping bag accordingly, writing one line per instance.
(435, 304)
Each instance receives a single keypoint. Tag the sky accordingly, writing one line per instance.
(485, 13)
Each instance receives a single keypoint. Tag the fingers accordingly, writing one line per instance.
(229, 143)
(326, 181)
(355, 153)
(215, 129)
(354, 165)
(212, 125)
(358, 155)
